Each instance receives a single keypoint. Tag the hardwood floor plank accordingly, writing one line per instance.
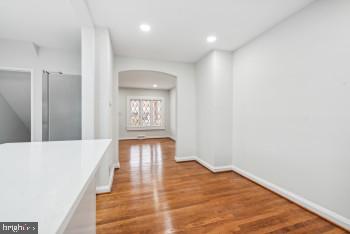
(154, 194)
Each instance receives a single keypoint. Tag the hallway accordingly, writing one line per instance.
(154, 194)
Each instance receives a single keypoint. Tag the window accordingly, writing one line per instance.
(145, 113)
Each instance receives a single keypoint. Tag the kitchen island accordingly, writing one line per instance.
(52, 183)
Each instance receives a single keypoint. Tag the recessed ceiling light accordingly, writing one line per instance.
(155, 86)
(211, 39)
(145, 27)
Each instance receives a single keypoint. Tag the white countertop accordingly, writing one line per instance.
(43, 181)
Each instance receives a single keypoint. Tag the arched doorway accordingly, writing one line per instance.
(147, 105)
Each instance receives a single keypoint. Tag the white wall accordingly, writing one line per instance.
(97, 98)
(15, 88)
(127, 134)
(104, 84)
(12, 127)
(173, 107)
(205, 118)
(186, 105)
(291, 107)
(88, 73)
(214, 108)
(22, 55)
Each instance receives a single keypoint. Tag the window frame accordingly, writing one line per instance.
(129, 127)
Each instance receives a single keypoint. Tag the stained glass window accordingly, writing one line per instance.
(157, 116)
(145, 113)
(135, 112)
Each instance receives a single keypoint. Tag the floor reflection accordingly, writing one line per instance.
(145, 160)
(152, 193)
(145, 153)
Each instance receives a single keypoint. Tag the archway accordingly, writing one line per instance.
(147, 105)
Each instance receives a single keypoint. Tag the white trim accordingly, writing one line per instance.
(145, 128)
(309, 205)
(116, 165)
(172, 138)
(185, 159)
(107, 188)
(146, 137)
(212, 168)
(32, 105)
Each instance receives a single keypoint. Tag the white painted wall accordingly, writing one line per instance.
(22, 55)
(214, 108)
(127, 134)
(186, 95)
(88, 82)
(97, 98)
(205, 101)
(146, 79)
(12, 127)
(104, 103)
(11, 82)
(291, 107)
(173, 107)
(104, 84)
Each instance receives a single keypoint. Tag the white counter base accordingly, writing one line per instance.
(83, 220)
(52, 183)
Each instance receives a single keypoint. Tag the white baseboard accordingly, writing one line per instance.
(309, 205)
(212, 168)
(146, 137)
(106, 188)
(185, 159)
(117, 165)
(204, 163)
(313, 207)
(172, 138)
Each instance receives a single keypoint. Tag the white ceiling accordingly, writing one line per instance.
(146, 79)
(179, 28)
(48, 23)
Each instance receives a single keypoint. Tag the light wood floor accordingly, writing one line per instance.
(154, 194)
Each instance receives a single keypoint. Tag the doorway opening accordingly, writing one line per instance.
(147, 105)
(15, 105)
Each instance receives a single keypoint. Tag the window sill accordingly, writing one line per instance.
(146, 129)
